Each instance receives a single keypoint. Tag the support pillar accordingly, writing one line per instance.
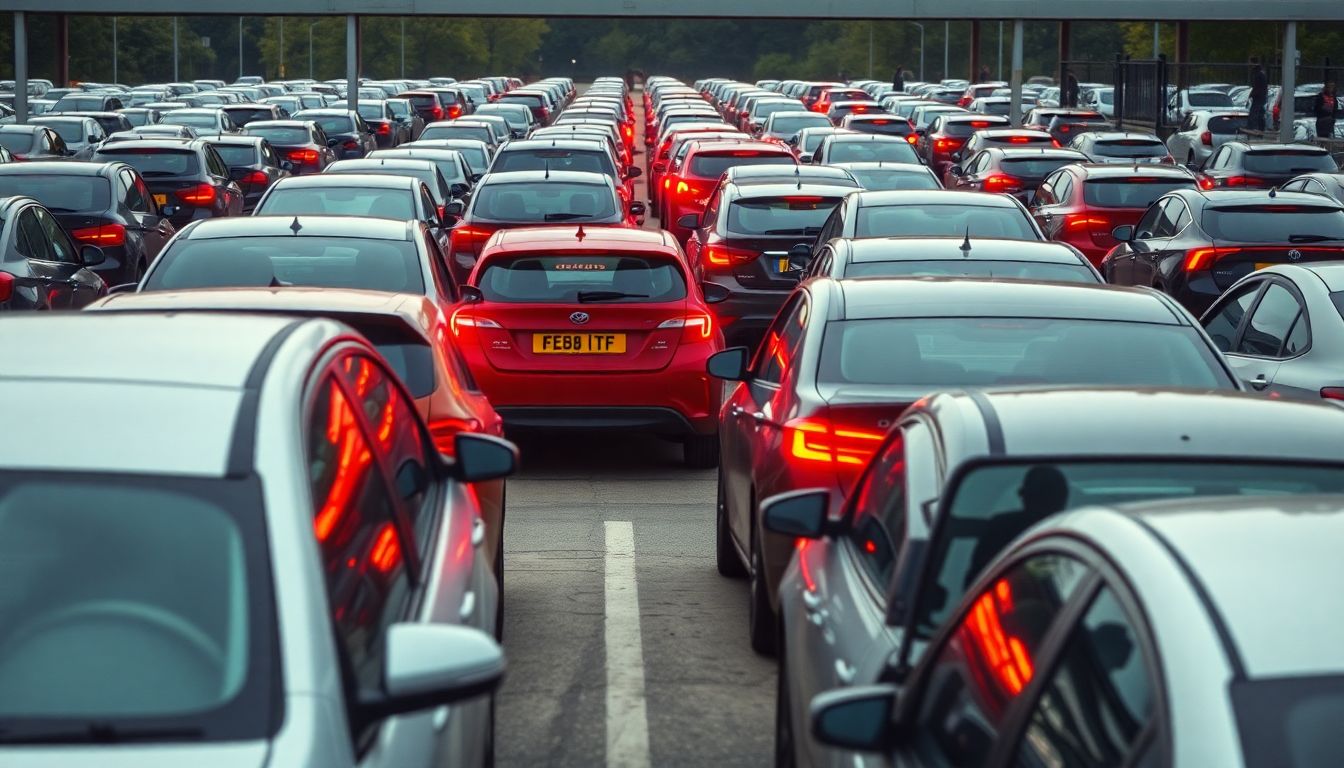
(1182, 54)
(20, 67)
(1286, 99)
(975, 51)
(62, 50)
(1065, 50)
(1015, 80)
(352, 62)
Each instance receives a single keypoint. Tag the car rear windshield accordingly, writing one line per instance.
(995, 503)
(872, 152)
(245, 116)
(606, 277)
(20, 143)
(282, 135)
(193, 120)
(154, 162)
(1017, 141)
(963, 129)
(1283, 721)
(339, 201)
(423, 101)
(810, 142)
(70, 131)
(771, 107)
(544, 201)
(259, 262)
(1209, 99)
(1014, 270)
(410, 357)
(157, 616)
(943, 220)
(528, 100)
(480, 133)
(1130, 192)
(235, 155)
(1274, 224)
(995, 107)
(946, 352)
(78, 104)
(554, 159)
(790, 123)
(399, 108)
(883, 126)
(884, 179)
(1034, 167)
(60, 194)
(1130, 148)
(1226, 124)
(334, 124)
(787, 215)
(712, 166)
(1288, 161)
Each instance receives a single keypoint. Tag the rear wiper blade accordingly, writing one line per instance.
(156, 174)
(1310, 238)
(566, 216)
(586, 296)
(97, 733)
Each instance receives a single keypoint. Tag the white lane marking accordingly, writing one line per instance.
(627, 720)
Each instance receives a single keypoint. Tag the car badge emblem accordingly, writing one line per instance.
(578, 318)
(1294, 255)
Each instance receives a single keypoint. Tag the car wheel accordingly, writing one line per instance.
(700, 451)
(760, 616)
(785, 752)
(725, 554)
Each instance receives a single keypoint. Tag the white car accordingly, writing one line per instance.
(1201, 132)
(1190, 100)
(1101, 99)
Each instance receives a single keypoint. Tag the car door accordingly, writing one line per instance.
(54, 261)
(230, 194)
(1268, 336)
(153, 230)
(1153, 265)
(1151, 236)
(1045, 207)
(1225, 318)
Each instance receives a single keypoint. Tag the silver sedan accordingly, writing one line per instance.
(261, 561)
(1200, 133)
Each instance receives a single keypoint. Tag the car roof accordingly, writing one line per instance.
(277, 124)
(865, 250)
(394, 163)
(153, 143)
(875, 198)
(974, 117)
(893, 297)
(996, 133)
(310, 226)
(60, 168)
(236, 139)
(877, 165)
(591, 145)
(809, 187)
(594, 237)
(1217, 197)
(846, 137)
(1053, 153)
(574, 177)
(371, 180)
(721, 146)
(1109, 135)
(1142, 170)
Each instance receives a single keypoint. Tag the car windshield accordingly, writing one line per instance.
(79, 104)
(480, 133)
(245, 116)
(607, 278)
(790, 123)
(153, 162)
(158, 616)
(258, 262)
(994, 503)
(800, 215)
(197, 120)
(712, 166)
(949, 352)
(20, 143)
(1287, 717)
(60, 194)
(331, 123)
(943, 220)
(544, 201)
(1130, 192)
(1209, 99)
(137, 118)
(1034, 167)
(554, 159)
(1288, 161)
(70, 131)
(886, 179)
(871, 152)
(1227, 124)
(1274, 224)
(281, 135)
(339, 201)
(235, 155)
(996, 268)
(882, 126)
(1130, 148)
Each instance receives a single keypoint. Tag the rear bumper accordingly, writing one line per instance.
(663, 421)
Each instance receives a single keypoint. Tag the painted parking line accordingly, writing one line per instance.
(627, 718)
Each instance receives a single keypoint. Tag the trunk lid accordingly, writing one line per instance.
(549, 338)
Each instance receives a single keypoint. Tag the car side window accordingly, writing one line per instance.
(1179, 216)
(61, 249)
(368, 586)
(28, 239)
(137, 197)
(1299, 338)
(1064, 188)
(1298, 185)
(877, 527)
(776, 350)
(55, 142)
(1099, 697)
(1148, 225)
(443, 279)
(268, 155)
(431, 210)
(217, 165)
(1222, 326)
(1270, 322)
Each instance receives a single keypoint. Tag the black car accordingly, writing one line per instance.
(110, 121)
(743, 240)
(351, 137)
(843, 258)
(1238, 164)
(253, 163)
(1053, 120)
(33, 142)
(81, 135)
(102, 204)
(1017, 172)
(242, 114)
(929, 213)
(40, 266)
(82, 101)
(187, 179)
(454, 168)
(1194, 245)
(302, 142)
(423, 170)
(387, 130)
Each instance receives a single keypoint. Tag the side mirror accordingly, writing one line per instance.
(482, 457)
(475, 177)
(91, 255)
(633, 172)
(660, 166)
(430, 665)
(797, 513)
(730, 364)
(470, 294)
(1123, 233)
(459, 189)
(805, 159)
(93, 139)
(793, 141)
(715, 293)
(637, 208)
(454, 208)
(955, 170)
(689, 221)
(856, 718)
(333, 142)
(286, 165)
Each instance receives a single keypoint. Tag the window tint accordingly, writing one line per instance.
(989, 659)
(331, 262)
(890, 151)
(1288, 161)
(638, 278)
(1099, 697)
(30, 241)
(878, 526)
(1222, 327)
(137, 196)
(1273, 224)
(776, 351)
(59, 192)
(942, 220)
(280, 134)
(1270, 322)
(1130, 192)
(790, 215)
(384, 203)
(61, 249)
(550, 202)
(153, 162)
(713, 166)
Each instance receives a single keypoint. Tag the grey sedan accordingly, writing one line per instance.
(270, 566)
(1200, 133)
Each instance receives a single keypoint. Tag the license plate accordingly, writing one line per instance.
(783, 265)
(161, 199)
(1259, 265)
(578, 343)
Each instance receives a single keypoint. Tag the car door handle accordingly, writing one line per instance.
(1259, 382)
(844, 672)
(477, 532)
(812, 601)
(468, 607)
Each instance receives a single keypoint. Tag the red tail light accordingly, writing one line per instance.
(1242, 181)
(443, 431)
(1202, 258)
(694, 193)
(1021, 140)
(20, 158)
(945, 145)
(698, 326)
(1206, 138)
(1205, 182)
(723, 256)
(6, 286)
(1329, 393)
(912, 138)
(1001, 183)
(1083, 221)
(200, 195)
(256, 177)
(455, 111)
(384, 129)
(436, 111)
(821, 440)
(462, 320)
(964, 101)
(350, 144)
(306, 156)
(103, 234)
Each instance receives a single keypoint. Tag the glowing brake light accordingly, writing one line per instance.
(912, 138)
(199, 195)
(1206, 138)
(698, 325)
(1332, 393)
(303, 156)
(443, 431)
(101, 235)
(943, 145)
(1202, 258)
(813, 439)
(1000, 183)
(462, 320)
(1019, 139)
(384, 129)
(1242, 181)
(1205, 182)
(723, 256)
(6, 286)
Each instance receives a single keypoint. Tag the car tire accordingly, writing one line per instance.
(725, 554)
(760, 616)
(700, 451)
(785, 751)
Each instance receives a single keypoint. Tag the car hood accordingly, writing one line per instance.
(244, 754)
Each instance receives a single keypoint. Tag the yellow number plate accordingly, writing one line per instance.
(578, 343)
(161, 199)
(783, 265)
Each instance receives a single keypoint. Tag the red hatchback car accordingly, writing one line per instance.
(1081, 204)
(593, 328)
(687, 186)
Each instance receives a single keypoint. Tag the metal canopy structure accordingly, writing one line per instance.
(1077, 10)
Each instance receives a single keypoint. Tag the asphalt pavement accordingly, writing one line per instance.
(623, 655)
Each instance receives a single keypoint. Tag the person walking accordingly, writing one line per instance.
(1326, 108)
(1259, 96)
(898, 79)
(984, 74)
(1069, 96)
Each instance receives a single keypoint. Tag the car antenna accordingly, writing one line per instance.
(548, 170)
(966, 244)
(1273, 193)
(295, 226)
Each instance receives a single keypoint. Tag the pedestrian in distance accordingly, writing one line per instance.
(1259, 95)
(984, 74)
(898, 79)
(1069, 96)
(1326, 108)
